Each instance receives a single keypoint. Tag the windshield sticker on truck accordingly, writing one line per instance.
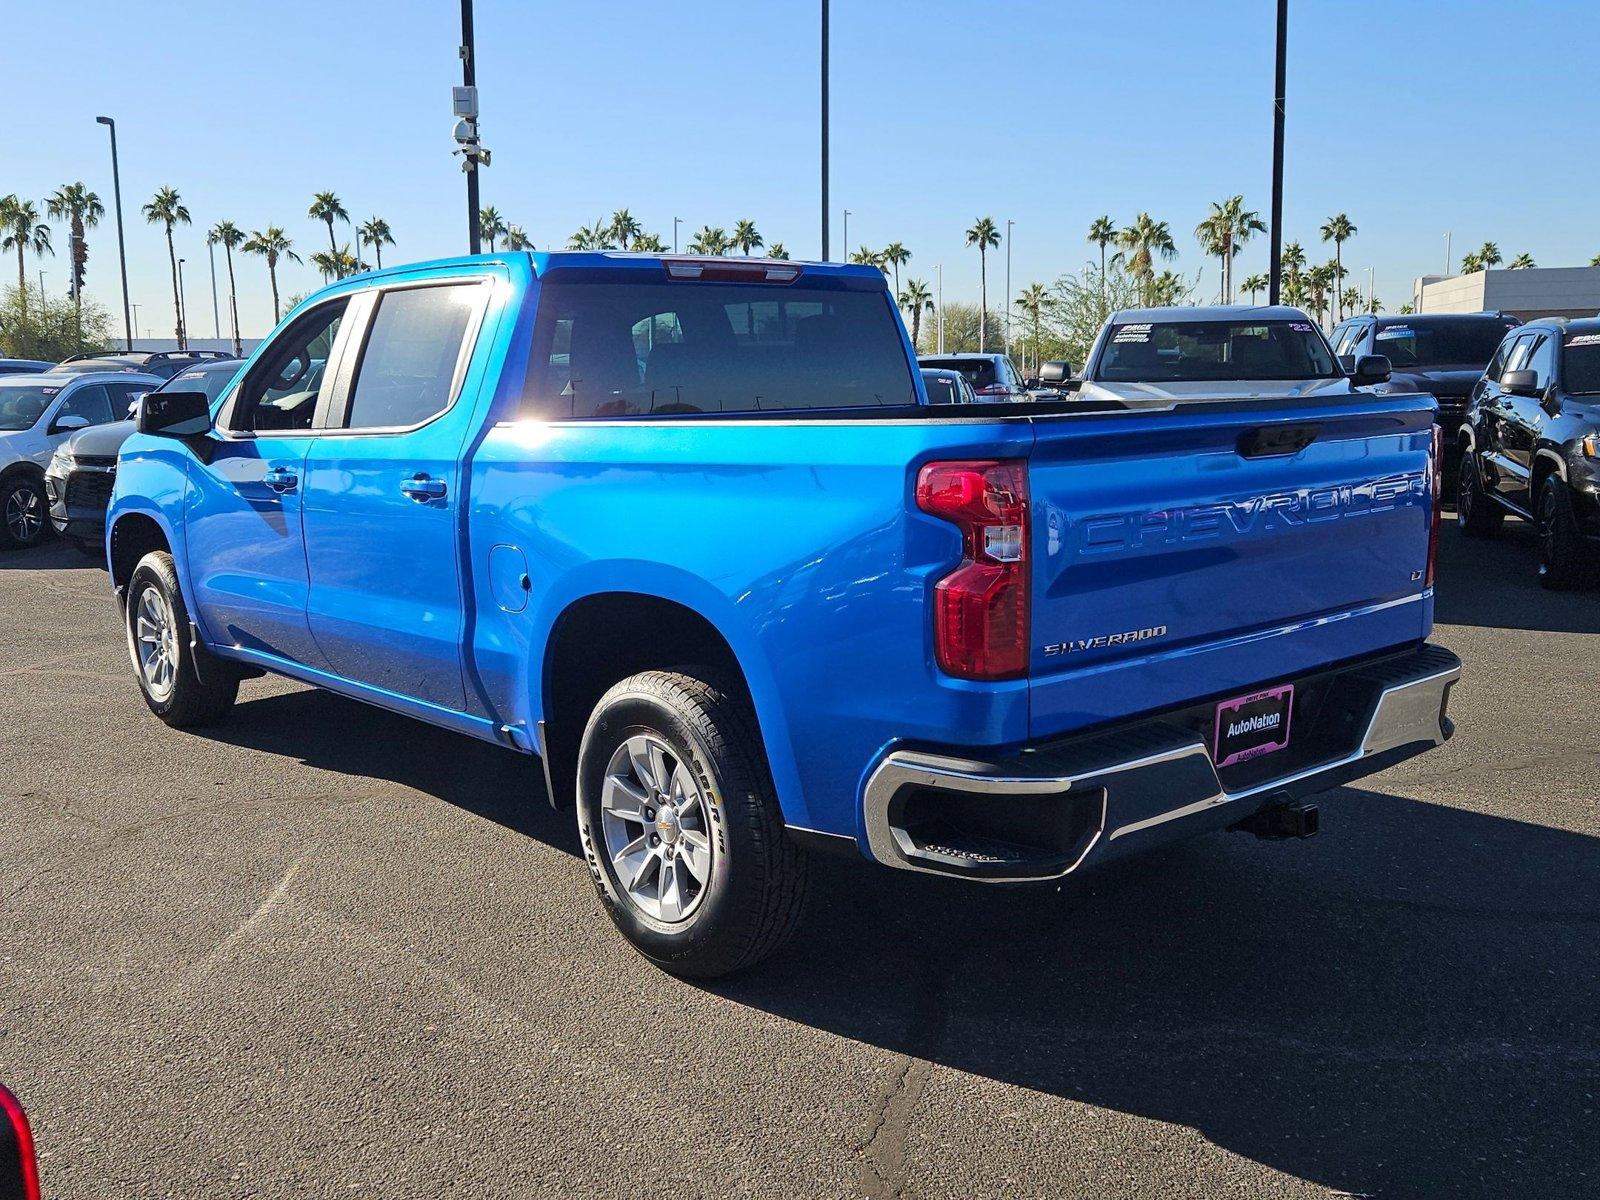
(1131, 333)
(1584, 339)
(1394, 331)
(1300, 326)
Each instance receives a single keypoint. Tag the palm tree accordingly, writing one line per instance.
(985, 236)
(1489, 256)
(1595, 261)
(490, 225)
(376, 233)
(1035, 298)
(335, 264)
(1521, 262)
(1338, 230)
(1321, 281)
(517, 238)
(272, 244)
(21, 230)
(1470, 262)
(916, 300)
(228, 235)
(777, 250)
(1140, 243)
(648, 243)
(745, 238)
(1102, 233)
(624, 227)
(327, 208)
(1254, 284)
(869, 257)
(83, 210)
(897, 256)
(710, 240)
(1228, 226)
(166, 208)
(1167, 288)
(1350, 299)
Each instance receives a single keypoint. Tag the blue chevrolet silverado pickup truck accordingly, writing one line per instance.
(688, 530)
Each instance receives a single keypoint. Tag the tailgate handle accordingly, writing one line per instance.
(1276, 441)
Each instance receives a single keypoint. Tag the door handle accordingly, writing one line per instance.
(281, 480)
(421, 488)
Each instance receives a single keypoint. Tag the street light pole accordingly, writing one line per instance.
(183, 309)
(1372, 281)
(469, 162)
(676, 221)
(122, 253)
(846, 238)
(216, 320)
(940, 269)
(825, 255)
(1009, 224)
(1275, 279)
(134, 327)
(1447, 252)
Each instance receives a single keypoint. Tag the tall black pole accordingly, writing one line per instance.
(825, 130)
(122, 252)
(1275, 280)
(469, 78)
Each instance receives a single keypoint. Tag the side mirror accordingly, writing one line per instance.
(1348, 362)
(1370, 369)
(1519, 383)
(69, 424)
(1055, 373)
(175, 414)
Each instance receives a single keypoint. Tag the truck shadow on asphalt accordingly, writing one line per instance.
(1405, 1006)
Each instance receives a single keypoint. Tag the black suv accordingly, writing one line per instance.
(1531, 446)
(1442, 354)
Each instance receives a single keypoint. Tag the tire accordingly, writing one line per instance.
(24, 513)
(1565, 558)
(746, 897)
(177, 688)
(1476, 514)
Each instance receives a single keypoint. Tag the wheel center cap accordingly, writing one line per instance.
(667, 826)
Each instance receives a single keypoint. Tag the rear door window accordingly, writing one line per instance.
(91, 401)
(411, 365)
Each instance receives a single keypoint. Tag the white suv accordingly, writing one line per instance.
(38, 412)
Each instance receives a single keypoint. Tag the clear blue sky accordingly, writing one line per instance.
(1413, 118)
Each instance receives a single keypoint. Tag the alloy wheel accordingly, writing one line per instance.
(24, 515)
(1547, 530)
(156, 642)
(656, 821)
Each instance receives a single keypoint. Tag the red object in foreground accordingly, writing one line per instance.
(981, 608)
(19, 1169)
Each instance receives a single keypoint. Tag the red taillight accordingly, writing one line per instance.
(994, 389)
(980, 610)
(26, 1165)
(1435, 466)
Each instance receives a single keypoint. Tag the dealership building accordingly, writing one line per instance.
(1530, 292)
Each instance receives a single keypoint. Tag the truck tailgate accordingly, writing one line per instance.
(1183, 555)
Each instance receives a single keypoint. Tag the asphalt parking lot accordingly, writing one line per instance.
(325, 951)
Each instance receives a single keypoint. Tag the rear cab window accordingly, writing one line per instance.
(979, 372)
(629, 343)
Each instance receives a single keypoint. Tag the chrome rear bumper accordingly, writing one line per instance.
(1134, 788)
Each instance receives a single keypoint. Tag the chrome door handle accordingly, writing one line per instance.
(421, 488)
(281, 480)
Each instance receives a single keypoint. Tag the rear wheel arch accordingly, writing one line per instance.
(603, 638)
